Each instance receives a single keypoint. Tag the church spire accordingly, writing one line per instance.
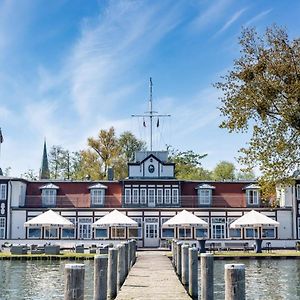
(44, 171)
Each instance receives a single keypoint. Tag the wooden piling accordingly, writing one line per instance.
(235, 282)
(178, 259)
(100, 277)
(112, 273)
(126, 246)
(121, 265)
(193, 273)
(74, 281)
(207, 276)
(185, 265)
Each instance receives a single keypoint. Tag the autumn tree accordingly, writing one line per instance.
(261, 94)
(59, 162)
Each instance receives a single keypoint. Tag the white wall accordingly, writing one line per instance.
(286, 223)
(18, 218)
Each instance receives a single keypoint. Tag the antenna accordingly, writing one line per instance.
(151, 114)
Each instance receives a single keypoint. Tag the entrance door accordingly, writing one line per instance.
(151, 236)
(85, 228)
(218, 231)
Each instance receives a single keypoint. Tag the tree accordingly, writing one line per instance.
(106, 146)
(224, 170)
(59, 162)
(262, 94)
(245, 175)
(30, 175)
(188, 164)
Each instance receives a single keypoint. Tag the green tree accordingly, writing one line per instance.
(245, 175)
(262, 95)
(30, 175)
(59, 162)
(224, 170)
(188, 164)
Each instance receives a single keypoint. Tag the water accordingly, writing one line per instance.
(43, 280)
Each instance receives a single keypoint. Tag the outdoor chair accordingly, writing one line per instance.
(52, 249)
(18, 249)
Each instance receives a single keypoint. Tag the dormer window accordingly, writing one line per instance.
(252, 195)
(97, 194)
(49, 192)
(205, 194)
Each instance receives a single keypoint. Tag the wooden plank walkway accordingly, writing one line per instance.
(152, 277)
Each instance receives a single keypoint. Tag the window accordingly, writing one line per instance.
(298, 191)
(49, 197)
(97, 196)
(151, 197)
(218, 228)
(268, 233)
(204, 197)
(252, 197)
(135, 196)
(167, 196)
(159, 196)
(166, 232)
(175, 199)
(69, 233)
(127, 196)
(233, 232)
(34, 233)
(2, 228)
(2, 191)
(251, 233)
(101, 233)
(143, 199)
(118, 233)
(51, 233)
(201, 233)
(185, 233)
(136, 232)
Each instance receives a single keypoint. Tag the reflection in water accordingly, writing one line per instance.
(44, 280)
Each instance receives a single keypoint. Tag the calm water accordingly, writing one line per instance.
(43, 280)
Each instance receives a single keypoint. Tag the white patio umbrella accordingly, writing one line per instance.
(49, 219)
(256, 220)
(115, 219)
(185, 219)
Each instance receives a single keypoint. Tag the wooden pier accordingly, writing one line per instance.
(152, 277)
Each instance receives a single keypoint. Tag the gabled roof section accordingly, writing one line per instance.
(98, 186)
(252, 186)
(205, 186)
(49, 186)
(148, 157)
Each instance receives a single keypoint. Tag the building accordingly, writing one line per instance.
(150, 195)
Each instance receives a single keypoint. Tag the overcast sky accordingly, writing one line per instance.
(70, 68)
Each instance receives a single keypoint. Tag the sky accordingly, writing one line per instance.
(71, 68)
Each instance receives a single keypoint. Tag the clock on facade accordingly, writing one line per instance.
(151, 168)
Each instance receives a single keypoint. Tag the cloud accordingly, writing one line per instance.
(211, 14)
(231, 20)
(258, 17)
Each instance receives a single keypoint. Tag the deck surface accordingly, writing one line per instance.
(152, 277)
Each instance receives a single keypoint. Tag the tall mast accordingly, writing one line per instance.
(151, 114)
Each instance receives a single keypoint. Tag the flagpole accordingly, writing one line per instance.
(151, 114)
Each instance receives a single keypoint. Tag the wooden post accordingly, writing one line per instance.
(193, 273)
(121, 265)
(178, 258)
(185, 264)
(112, 273)
(130, 248)
(126, 245)
(134, 251)
(175, 254)
(100, 277)
(207, 276)
(74, 281)
(235, 282)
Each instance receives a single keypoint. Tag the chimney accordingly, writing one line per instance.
(110, 174)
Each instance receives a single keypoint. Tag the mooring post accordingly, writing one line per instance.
(100, 277)
(134, 251)
(121, 265)
(74, 281)
(178, 258)
(193, 273)
(175, 254)
(185, 264)
(235, 282)
(207, 276)
(112, 273)
(126, 246)
(130, 249)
